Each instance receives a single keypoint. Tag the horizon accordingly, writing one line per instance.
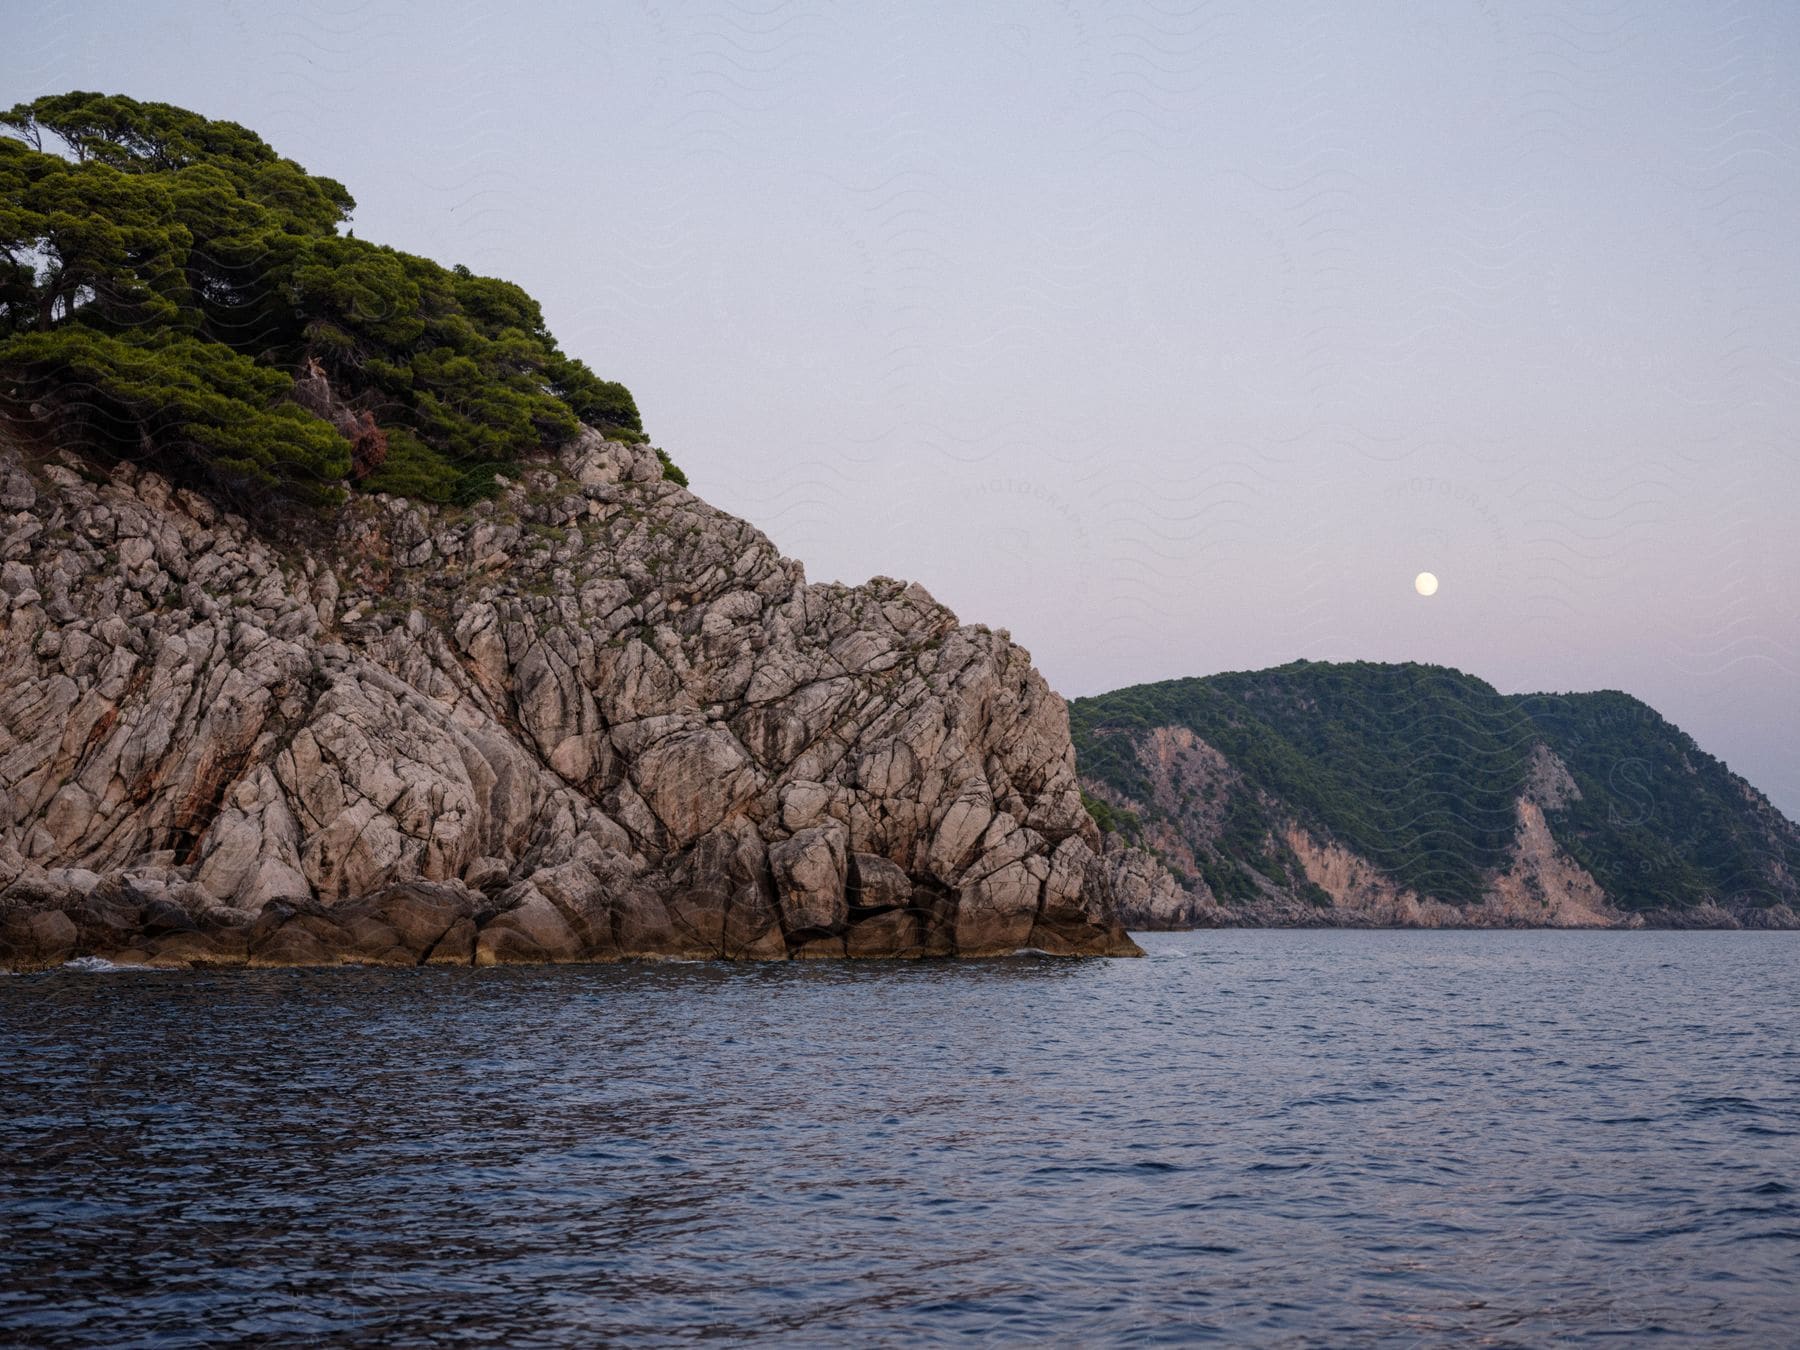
(1211, 340)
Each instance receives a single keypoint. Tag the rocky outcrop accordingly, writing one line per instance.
(1541, 888)
(593, 718)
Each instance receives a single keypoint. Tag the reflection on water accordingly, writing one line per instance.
(1284, 1138)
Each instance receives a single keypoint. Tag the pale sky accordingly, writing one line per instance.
(1172, 337)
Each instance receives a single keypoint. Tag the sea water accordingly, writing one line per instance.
(1280, 1138)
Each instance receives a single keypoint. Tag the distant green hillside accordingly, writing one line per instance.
(1661, 822)
(1418, 770)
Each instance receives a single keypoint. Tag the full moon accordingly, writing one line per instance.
(1425, 583)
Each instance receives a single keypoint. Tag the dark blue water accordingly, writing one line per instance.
(1320, 1138)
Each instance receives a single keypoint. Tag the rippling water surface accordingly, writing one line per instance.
(1332, 1138)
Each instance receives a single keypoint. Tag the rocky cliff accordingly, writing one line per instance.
(1414, 796)
(593, 718)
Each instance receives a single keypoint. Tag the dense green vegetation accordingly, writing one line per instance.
(1417, 769)
(1414, 767)
(165, 278)
(1660, 822)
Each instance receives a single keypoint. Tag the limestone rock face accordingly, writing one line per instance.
(1148, 898)
(594, 718)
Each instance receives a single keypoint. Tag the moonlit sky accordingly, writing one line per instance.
(1172, 337)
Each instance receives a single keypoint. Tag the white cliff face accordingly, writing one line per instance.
(594, 718)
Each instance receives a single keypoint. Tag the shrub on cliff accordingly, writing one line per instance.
(164, 277)
(186, 403)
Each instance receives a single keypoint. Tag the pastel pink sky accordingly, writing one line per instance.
(1173, 339)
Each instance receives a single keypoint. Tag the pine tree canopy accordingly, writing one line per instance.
(165, 279)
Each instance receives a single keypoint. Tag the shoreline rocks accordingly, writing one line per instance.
(592, 719)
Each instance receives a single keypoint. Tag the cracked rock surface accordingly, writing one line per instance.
(591, 719)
